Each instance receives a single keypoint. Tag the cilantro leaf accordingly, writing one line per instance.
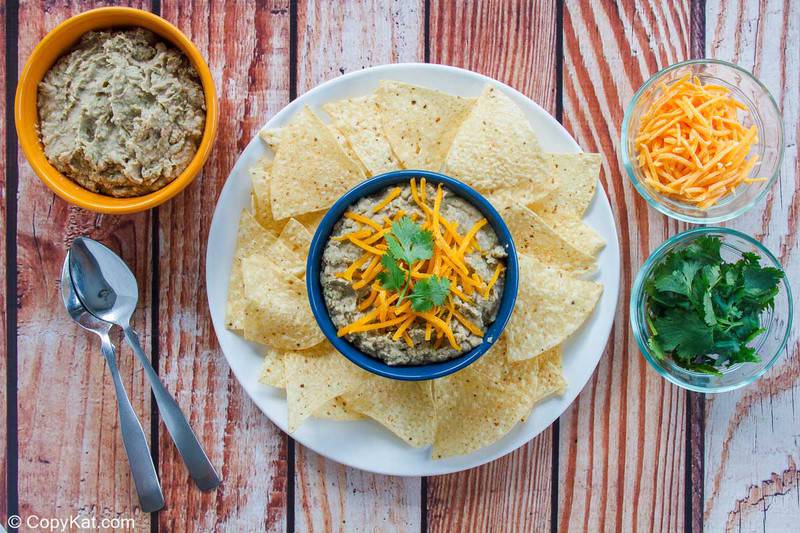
(761, 282)
(656, 348)
(704, 368)
(708, 310)
(746, 355)
(703, 311)
(408, 242)
(704, 249)
(393, 278)
(679, 281)
(684, 333)
(429, 292)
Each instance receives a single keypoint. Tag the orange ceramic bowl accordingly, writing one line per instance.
(58, 42)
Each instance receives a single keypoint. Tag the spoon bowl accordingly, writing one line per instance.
(104, 283)
(75, 308)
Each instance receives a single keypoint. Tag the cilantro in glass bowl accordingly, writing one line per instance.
(711, 309)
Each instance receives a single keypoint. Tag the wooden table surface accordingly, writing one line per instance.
(632, 453)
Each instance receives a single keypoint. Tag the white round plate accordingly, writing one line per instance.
(365, 444)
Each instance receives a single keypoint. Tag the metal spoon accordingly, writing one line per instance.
(142, 468)
(107, 288)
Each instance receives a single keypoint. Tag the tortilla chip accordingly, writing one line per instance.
(296, 237)
(274, 375)
(261, 177)
(277, 312)
(271, 137)
(420, 123)
(252, 238)
(348, 149)
(315, 377)
(272, 369)
(317, 178)
(311, 220)
(337, 409)
(262, 167)
(358, 120)
(474, 411)
(287, 260)
(551, 306)
(404, 407)
(549, 375)
(496, 152)
(573, 230)
(290, 249)
(533, 236)
(538, 377)
(575, 177)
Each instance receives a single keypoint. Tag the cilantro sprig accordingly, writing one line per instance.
(407, 244)
(428, 293)
(703, 311)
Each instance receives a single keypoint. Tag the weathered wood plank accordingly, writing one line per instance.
(4, 408)
(71, 457)
(622, 443)
(246, 45)
(332, 40)
(751, 444)
(332, 497)
(514, 42)
(509, 494)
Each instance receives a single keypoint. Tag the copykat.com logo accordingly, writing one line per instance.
(70, 523)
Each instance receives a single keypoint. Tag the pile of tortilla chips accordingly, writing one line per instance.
(486, 142)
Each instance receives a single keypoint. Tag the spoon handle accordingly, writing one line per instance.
(189, 447)
(142, 468)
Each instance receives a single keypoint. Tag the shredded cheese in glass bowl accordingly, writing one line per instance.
(702, 141)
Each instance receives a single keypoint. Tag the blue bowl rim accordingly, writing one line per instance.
(367, 362)
(653, 200)
(638, 287)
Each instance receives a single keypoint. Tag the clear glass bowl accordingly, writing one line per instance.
(764, 114)
(777, 322)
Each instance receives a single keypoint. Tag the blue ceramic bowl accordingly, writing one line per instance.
(317, 300)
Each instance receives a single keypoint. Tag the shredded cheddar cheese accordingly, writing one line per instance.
(394, 193)
(365, 246)
(363, 220)
(354, 234)
(378, 309)
(692, 144)
(375, 325)
(403, 327)
(408, 339)
(467, 324)
(492, 281)
(369, 300)
(369, 274)
(470, 235)
(348, 274)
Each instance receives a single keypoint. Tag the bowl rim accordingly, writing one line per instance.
(654, 201)
(638, 287)
(47, 50)
(367, 362)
